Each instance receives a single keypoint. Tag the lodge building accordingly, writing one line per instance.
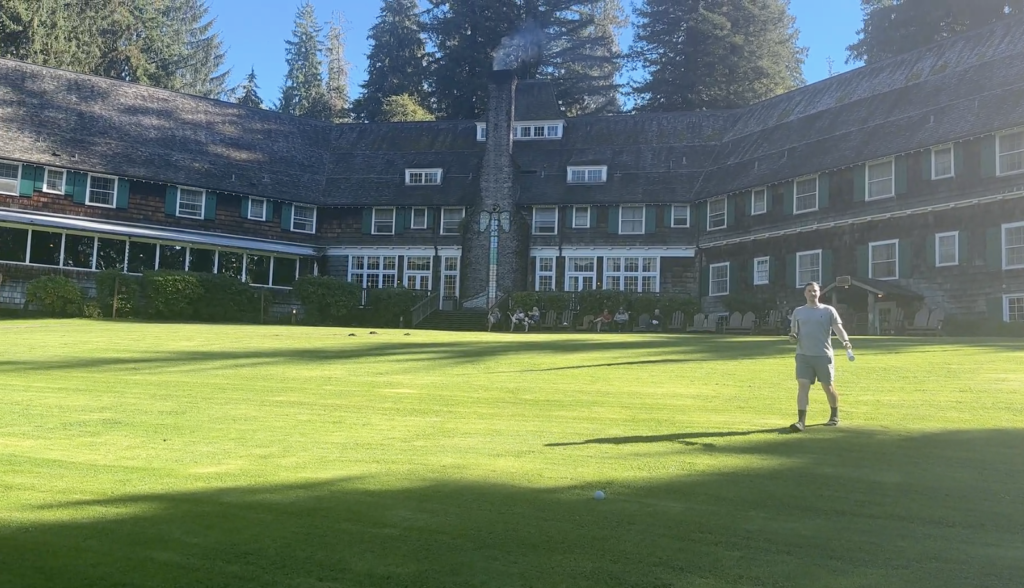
(904, 178)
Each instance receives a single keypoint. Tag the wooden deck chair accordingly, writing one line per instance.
(549, 320)
(920, 324)
(735, 324)
(567, 318)
(932, 326)
(678, 322)
(585, 325)
(699, 323)
(643, 323)
(772, 323)
(748, 322)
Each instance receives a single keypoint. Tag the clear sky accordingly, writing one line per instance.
(254, 32)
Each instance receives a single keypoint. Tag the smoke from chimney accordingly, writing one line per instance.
(526, 44)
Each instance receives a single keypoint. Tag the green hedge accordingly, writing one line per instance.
(326, 300)
(180, 296)
(56, 296)
(981, 327)
(595, 301)
(387, 306)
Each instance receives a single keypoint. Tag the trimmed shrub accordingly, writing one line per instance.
(129, 287)
(225, 299)
(171, 295)
(955, 326)
(56, 296)
(388, 305)
(595, 301)
(326, 300)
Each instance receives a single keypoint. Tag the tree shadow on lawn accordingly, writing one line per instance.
(679, 348)
(829, 508)
(671, 437)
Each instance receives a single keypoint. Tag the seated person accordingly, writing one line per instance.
(493, 318)
(656, 321)
(535, 315)
(621, 318)
(605, 318)
(519, 318)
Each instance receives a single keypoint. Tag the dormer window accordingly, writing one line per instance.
(588, 175)
(423, 177)
(537, 130)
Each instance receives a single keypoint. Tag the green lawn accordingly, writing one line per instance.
(189, 455)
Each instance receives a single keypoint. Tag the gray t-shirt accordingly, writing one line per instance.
(813, 327)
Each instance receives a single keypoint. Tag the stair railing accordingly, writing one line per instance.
(497, 305)
(425, 308)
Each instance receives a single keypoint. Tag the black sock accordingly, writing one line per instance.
(835, 412)
(802, 415)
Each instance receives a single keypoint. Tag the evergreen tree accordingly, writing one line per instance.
(586, 67)
(712, 54)
(249, 95)
(337, 72)
(303, 93)
(396, 62)
(537, 38)
(894, 27)
(403, 108)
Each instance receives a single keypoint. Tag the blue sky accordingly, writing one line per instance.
(254, 32)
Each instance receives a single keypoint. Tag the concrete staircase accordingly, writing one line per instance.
(455, 320)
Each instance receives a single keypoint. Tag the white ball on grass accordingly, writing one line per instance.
(599, 495)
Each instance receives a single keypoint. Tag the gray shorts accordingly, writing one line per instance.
(815, 367)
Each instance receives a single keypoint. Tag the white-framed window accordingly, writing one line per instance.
(631, 219)
(587, 175)
(759, 201)
(423, 177)
(545, 278)
(102, 190)
(451, 218)
(805, 195)
(450, 276)
(580, 273)
(303, 218)
(880, 179)
(373, 271)
(947, 248)
(808, 267)
(481, 131)
(383, 221)
(761, 267)
(581, 217)
(1013, 245)
(545, 220)
(1013, 308)
(54, 180)
(537, 130)
(10, 173)
(419, 218)
(716, 213)
(680, 216)
(1010, 150)
(631, 274)
(418, 272)
(883, 260)
(191, 202)
(257, 209)
(718, 283)
(942, 162)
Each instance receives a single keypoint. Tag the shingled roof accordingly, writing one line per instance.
(963, 87)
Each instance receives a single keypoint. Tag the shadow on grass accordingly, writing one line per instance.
(829, 508)
(672, 437)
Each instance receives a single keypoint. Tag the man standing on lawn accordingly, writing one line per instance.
(811, 330)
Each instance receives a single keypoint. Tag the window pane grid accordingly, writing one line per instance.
(1015, 309)
(716, 213)
(632, 274)
(883, 261)
(101, 190)
(946, 249)
(761, 271)
(450, 220)
(942, 162)
(55, 181)
(545, 220)
(303, 218)
(190, 203)
(808, 268)
(806, 195)
(631, 220)
(719, 282)
(759, 204)
(680, 215)
(581, 217)
(1011, 152)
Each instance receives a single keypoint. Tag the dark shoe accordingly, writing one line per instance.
(797, 427)
(832, 422)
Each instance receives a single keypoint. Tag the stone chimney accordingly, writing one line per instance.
(498, 191)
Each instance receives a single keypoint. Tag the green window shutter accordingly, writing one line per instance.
(823, 188)
(123, 185)
(668, 216)
(40, 178)
(862, 262)
(700, 215)
(431, 214)
(769, 195)
(994, 308)
(994, 248)
(81, 188)
(705, 280)
(566, 213)
(367, 221)
(28, 180)
(929, 252)
(926, 164)
(650, 219)
(399, 221)
(286, 216)
(730, 211)
(613, 220)
(827, 276)
(734, 277)
(905, 259)
(900, 169)
(245, 207)
(408, 218)
(593, 217)
(958, 159)
(963, 249)
(69, 183)
(171, 201)
(269, 214)
(210, 211)
(988, 157)
(788, 191)
(791, 271)
(859, 183)
(773, 270)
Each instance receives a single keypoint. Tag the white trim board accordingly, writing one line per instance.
(448, 250)
(587, 251)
